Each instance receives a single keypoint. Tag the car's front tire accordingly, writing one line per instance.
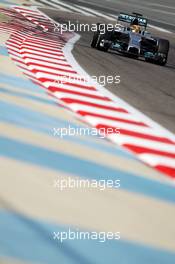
(162, 51)
(94, 40)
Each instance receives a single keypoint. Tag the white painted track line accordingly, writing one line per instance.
(97, 13)
(160, 29)
(71, 7)
(49, 3)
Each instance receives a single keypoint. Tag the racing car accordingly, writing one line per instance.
(130, 36)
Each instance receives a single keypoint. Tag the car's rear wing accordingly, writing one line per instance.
(142, 21)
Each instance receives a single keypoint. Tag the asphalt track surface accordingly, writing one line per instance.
(149, 88)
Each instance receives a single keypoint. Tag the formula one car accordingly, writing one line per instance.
(129, 36)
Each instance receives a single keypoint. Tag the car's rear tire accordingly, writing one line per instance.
(162, 50)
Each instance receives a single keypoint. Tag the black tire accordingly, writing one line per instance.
(106, 36)
(163, 46)
(94, 40)
(149, 60)
(100, 37)
(96, 35)
(105, 48)
(163, 49)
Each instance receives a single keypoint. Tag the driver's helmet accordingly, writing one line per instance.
(134, 26)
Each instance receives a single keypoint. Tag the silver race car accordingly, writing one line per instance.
(129, 36)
